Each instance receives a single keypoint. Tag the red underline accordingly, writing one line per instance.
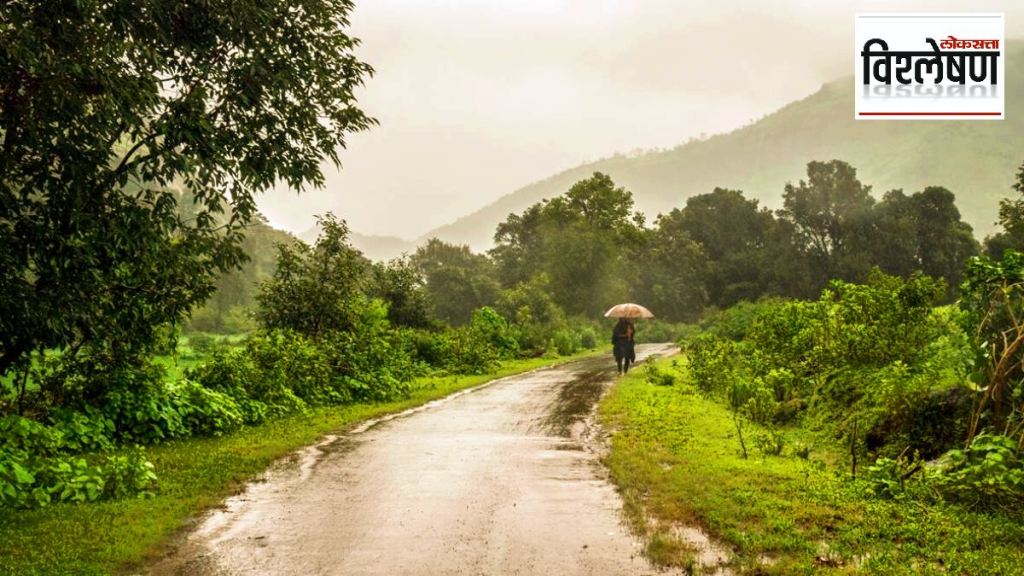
(929, 113)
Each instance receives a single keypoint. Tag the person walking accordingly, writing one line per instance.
(623, 344)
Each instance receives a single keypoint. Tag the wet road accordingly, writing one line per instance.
(502, 479)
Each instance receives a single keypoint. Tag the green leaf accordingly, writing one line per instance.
(22, 475)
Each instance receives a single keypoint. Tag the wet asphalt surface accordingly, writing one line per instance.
(501, 479)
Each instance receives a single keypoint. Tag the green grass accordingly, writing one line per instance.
(194, 475)
(676, 460)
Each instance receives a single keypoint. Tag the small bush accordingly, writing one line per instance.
(988, 474)
(712, 362)
(738, 320)
(588, 338)
(129, 474)
(202, 343)
(658, 331)
(19, 435)
(232, 372)
(69, 480)
(566, 342)
(770, 442)
(658, 377)
(85, 431)
(207, 412)
(488, 326)
(145, 415)
(757, 401)
(32, 480)
(431, 347)
(472, 354)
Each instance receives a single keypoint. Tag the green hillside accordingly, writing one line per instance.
(974, 159)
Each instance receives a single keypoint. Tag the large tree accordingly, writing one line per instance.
(671, 271)
(750, 253)
(921, 232)
(402, 287)
(134, 138)
(316, 290)
(456, 280)
(581, 240)
(831, 215)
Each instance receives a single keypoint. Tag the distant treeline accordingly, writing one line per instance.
(588, 249)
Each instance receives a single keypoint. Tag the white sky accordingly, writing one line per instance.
(477, 98)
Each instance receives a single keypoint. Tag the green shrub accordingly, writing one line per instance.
(145, 416)
(657, 376)
(128, 474)
(488, 326)
(784, 333)
(566, 342)
(712, 362)
(736, 321)
(371, 369)
(434, 348)
(885, 478)
(757, 401)
(293, 373)
(207, 412)
(234, 373)
(83, 431)
(873, 357)
(279, 371)
(202, 343)
(69, 480)
(588, 338)
(658, 331)
(17, 484)
(770, 442)
(481, 346)
(531, 312)
(472, 354)
(988, 474)
(34, 472)
(19, 435)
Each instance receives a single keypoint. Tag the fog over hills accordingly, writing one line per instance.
(373, 247)
(977, 160)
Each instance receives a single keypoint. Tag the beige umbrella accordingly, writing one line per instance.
(628, 310)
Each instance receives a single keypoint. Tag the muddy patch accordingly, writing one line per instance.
(576, 401)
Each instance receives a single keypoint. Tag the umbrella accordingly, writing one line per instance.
(628, 310)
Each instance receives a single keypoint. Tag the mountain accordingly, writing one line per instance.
(378, 248)
(382, 248)
(977, 160)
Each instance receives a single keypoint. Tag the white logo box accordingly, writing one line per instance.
(953, 39)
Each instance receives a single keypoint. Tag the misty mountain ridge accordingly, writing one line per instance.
(977, 160)
(374, 247)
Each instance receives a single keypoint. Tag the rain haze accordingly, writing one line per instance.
(477, 98)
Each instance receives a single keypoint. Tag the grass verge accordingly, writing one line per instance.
(195, 474)
(676, 460)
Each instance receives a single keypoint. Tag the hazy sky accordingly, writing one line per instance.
(477, 98)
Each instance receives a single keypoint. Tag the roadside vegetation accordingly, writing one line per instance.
(678, 463)
(113, 536)
(874, 429)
